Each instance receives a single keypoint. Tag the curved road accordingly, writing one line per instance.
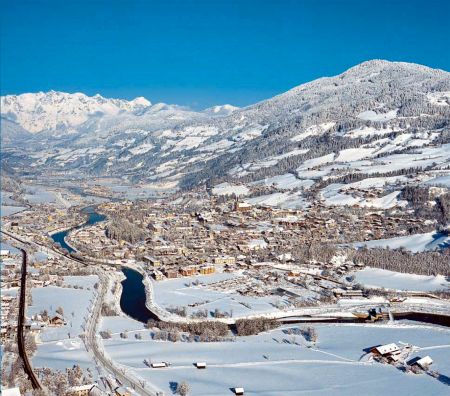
(21, 322)
(91, 338)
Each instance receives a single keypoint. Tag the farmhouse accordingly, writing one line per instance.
(57, 320)
(385, 350)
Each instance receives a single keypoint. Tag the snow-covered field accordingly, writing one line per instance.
(177, 293)
(75, 303)
(55, 349)
(440, 181)
(277, 363)
(414, 243)
(61, 354)
(374, 277)
(10, 210)
(228, 189)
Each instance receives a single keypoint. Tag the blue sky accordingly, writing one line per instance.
(200, 53)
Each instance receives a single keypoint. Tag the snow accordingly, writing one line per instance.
(371, 115)
(61, 354)
(354, 154)
(39, 194)
(249, 133)
(221, 111)
(141, 149)
(440, 181)
(386, 202)
(439, 98)
(173, 293)
(283, 200)
(374, 277)
(73, 301)
(414, 243)
(10, 210)
(41, 111)
(316, 161)
(228, 189)
(313, 130)
(287, 181)
(336, 365)
(370, 131)
(117, 324)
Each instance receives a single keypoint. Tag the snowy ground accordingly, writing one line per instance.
(177, 293)
(75, 303)
(276, 363)
(374, 277)
(229, 189)
(440, 181)
(55, 349)
(10, 210)
(414, 243)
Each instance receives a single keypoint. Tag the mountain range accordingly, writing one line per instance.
(377, 119)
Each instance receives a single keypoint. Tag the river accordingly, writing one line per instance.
(134, 297)
(93, 217)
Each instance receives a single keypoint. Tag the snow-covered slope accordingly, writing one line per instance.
(378, 119)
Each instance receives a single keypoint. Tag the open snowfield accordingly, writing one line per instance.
(414, 243)
(75, 303)
(176, 293)
(276, 363)
(284, 200)
(39, 194)
(374, 277)
(61, 354)
(228, 189)
(7, 210)
(440, 181)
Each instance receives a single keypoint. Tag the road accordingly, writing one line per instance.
(91, 338)
(21, 322)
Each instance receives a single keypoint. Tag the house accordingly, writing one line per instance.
(171, 274)
(122, 391)
(223, 260)
(239, 391)
(82, 390)
(152, 261)
(158, 275)
(242, 207)
(57, 320)
(188, 271)
(424, 362)
(207, 269)
(385, 350)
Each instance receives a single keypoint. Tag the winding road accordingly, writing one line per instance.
(21, 322)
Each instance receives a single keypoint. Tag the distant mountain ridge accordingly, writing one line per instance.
(47, 111)
(327, 129)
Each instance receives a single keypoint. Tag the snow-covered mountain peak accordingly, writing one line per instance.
(221, 111)
(43, 111)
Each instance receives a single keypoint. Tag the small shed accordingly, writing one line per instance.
(159, 365)
(239, 391)
(424, 362)
(200, 365)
